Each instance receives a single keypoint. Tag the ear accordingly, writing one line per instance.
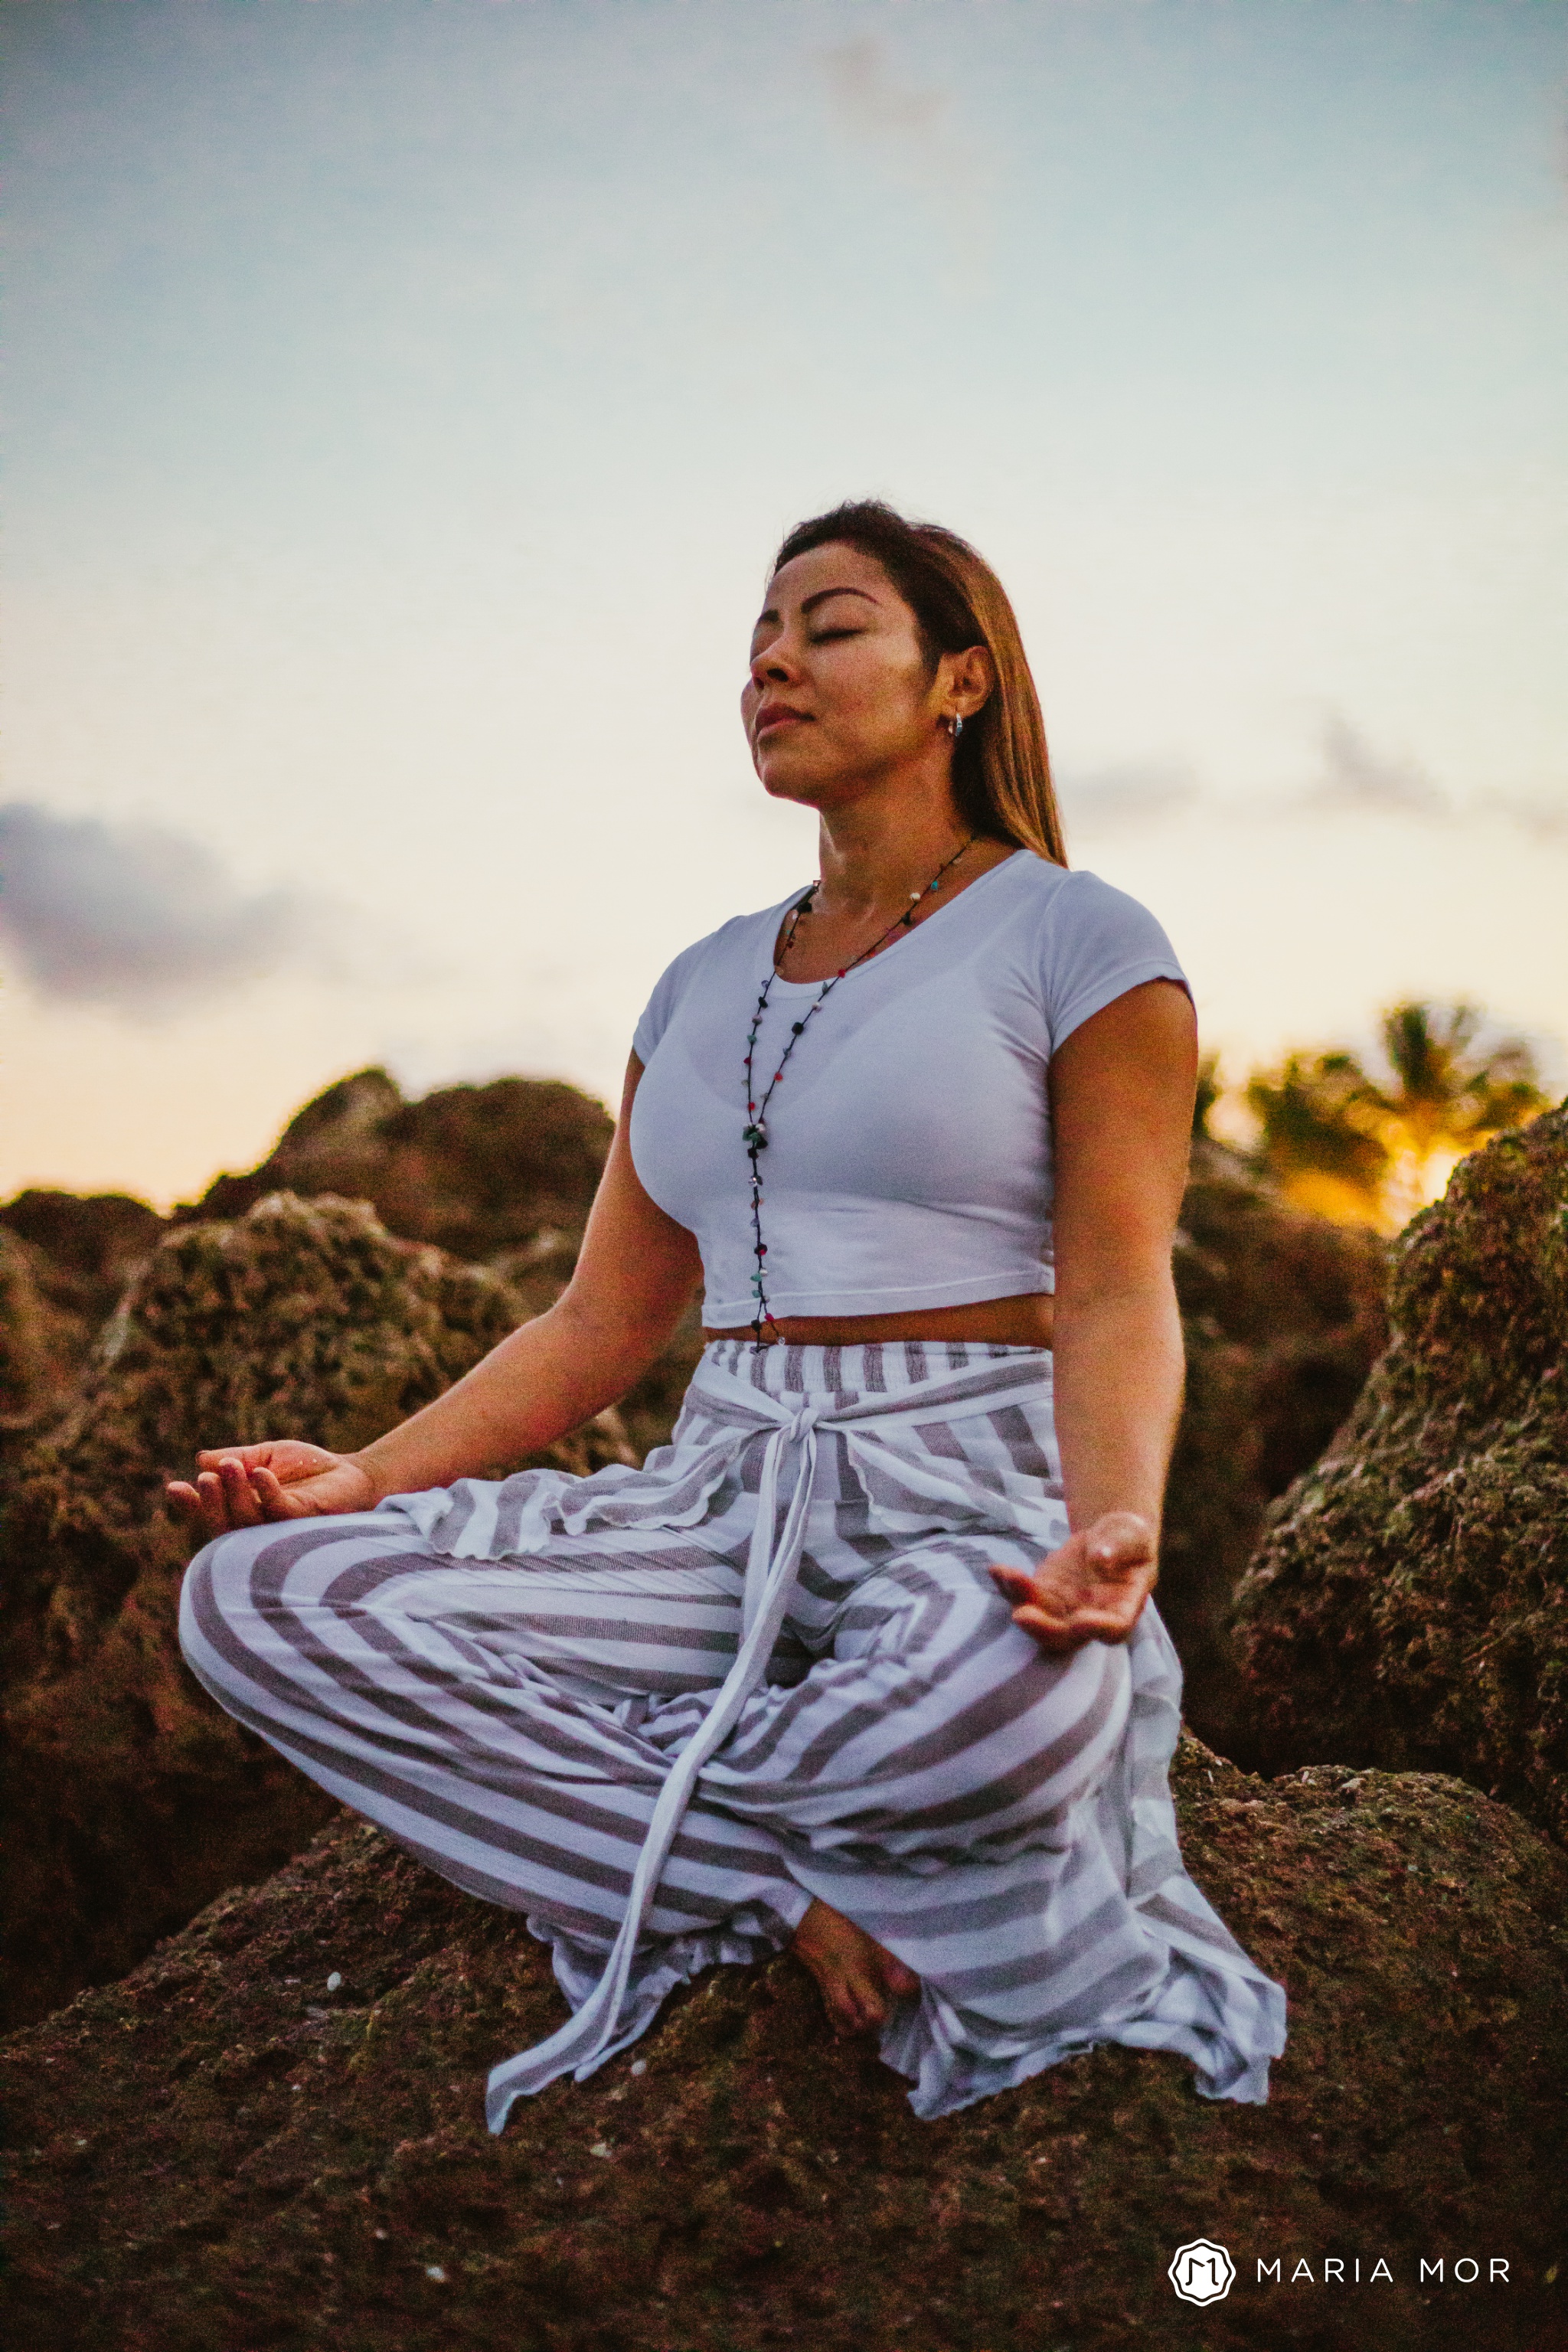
(971, 679)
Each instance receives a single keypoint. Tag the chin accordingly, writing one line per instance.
(781, 781)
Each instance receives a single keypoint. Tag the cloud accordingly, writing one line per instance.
(1356, 777)
(1353, 779)
(136, 917)
(1543, 820)
(866, 99)
(1108, 799)
(910, 131)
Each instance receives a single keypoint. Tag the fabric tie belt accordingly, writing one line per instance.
(772, 1564)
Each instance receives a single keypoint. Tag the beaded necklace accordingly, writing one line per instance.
(755, 1132)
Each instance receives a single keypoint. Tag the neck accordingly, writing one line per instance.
(874, 852)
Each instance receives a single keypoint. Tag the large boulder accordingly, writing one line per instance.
(271, 2134)
(36, 1354)
(132, 1798)
(1282, 1317)
(503, 1174)
(475, 1169)
(65, 1259)
(1409, 1606)
(96, 1238)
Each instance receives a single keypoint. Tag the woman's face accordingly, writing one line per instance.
(840, 695)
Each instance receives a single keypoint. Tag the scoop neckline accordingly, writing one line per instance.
(810, 987)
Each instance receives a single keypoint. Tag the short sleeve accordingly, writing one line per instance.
(660, 1010)
(1097, 944)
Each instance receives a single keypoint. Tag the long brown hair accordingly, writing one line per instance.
(1001, 770)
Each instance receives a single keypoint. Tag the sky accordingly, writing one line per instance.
(405, 397)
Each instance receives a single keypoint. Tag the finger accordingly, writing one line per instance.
(238, 1495)
(1012, 1580)
(1049, 1632)
(1116, 1559)
(274, 1501)
(1122, 1537)
(213, 1458)
(184, 1497)
(209, 1498)
(1071, 1630)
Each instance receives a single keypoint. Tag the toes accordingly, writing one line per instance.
(857, 1978)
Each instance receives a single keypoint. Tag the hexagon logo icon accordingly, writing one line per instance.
(1202, 2272)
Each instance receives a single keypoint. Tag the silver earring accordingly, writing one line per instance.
(955, 728)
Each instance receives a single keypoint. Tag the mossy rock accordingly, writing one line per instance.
(1282, 1317)
(1409, 1604)
(474, 1169)
(132, 1797)
(230, 2149)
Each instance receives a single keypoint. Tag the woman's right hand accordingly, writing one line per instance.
(244, 1485)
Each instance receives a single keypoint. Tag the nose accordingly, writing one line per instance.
(771, 663)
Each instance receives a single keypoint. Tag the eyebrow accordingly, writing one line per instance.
(809, 603)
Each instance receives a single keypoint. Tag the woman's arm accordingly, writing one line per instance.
(1121, 1103)
(635, 1274)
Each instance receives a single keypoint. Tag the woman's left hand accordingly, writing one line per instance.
(1091, 1590)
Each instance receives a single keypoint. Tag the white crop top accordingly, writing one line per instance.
(908, 1154)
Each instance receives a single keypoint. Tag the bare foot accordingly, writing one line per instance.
(857, 1979)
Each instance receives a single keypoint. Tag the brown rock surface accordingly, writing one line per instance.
(474, 1169)
(503, 1174)
(64, 1260)
(1409, 1607)
(227, 2150)
(1282, 1317)
(132, 1798)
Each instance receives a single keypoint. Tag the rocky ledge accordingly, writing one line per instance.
(270, 2134)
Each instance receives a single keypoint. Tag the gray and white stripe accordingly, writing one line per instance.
(506, 1673)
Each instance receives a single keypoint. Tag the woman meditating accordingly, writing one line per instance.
(864, 1662)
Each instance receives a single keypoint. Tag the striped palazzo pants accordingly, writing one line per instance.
(659, 1711)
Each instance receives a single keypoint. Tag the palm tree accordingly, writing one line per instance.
(1370, 1149)
(1319, 1119)
(1210, 1088)
(1450, 1094)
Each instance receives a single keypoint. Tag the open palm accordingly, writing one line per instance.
(1090, 1589)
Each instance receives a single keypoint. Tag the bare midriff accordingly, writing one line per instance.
(1021, 1322)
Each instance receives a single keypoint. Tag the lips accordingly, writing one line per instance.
(774, 714)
